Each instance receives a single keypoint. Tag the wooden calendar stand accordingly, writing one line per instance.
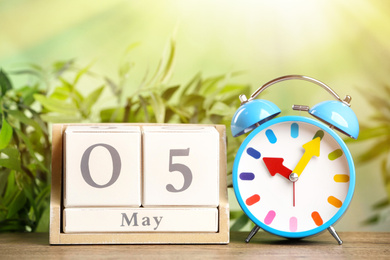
(58, 237)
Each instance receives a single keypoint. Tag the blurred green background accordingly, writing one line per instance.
(345, 44)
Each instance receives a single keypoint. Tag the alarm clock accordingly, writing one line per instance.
(293, 176)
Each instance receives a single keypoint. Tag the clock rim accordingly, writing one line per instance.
(351, 187)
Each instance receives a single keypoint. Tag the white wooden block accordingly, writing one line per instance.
(77, 220)
(181, 166)
(102, 166)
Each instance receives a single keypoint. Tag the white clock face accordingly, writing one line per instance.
(264, 164)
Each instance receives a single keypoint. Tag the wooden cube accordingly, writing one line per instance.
(102, 166)
(181, 166)
(123, 220)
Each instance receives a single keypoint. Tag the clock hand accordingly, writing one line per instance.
(312, 148)
(293, 194)
(275, 165)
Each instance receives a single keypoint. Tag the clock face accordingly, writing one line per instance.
(309, 150)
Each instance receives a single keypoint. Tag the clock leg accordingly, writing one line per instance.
(333, 232)
(252, 233)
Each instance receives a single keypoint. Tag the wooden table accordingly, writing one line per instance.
(356, 245)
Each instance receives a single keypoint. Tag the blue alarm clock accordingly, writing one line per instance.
(293, 176)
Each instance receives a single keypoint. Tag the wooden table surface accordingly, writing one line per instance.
(263, 245)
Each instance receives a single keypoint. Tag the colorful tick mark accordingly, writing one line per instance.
(341, 178)
(335, 154)
(271, 136)
(294, 130)
(335, 202)
(247, 176)
(252, 200)
(253, 153)
(269, 217)
(319, 134)
(293, 224)
(317, 218)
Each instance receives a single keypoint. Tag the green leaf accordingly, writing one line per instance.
(60, 93)
(192, 100)
(144, 107)
(373, 132)
(233, 89)
(168, 93)
(66, 84)
(386, 175)
(43, 197)
(112, 115)
(36, 67)
(27, 93)
(240, 223)
(189, 87)
(379, 148)
(11, 152)
(382, 118)
(371, 220)
(44, 221)
(183, 114)
(125, 66)
(235, 214)
(30, 149)
(131, 47)
(5, 134)
(12, 163)
(58, 118)
(216, 119)
(230, 93)
(158, 107)
(5, 83)
(116, 90)
(124, 69)
(229, 180)
(62, 66)
(381, 204)
(379, 102)
(16, 204)
(210, 85)
(20, 116)
(171, 117)
(11, 189)
(56, 105)
(3, 181)
(169, 65)
(220, 109)
(91, 99)
(81, 73)
(74, 95)
(38, 119)
(33, 72)
(164, 68)
(29, 195)
(12, 225)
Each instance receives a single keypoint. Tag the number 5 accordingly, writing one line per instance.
(183, 169)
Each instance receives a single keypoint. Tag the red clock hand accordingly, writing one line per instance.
(275, 165)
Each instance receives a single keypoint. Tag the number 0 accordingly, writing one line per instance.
(183, 169)
(116, 166)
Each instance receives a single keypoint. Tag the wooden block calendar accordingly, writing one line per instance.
(139, 184)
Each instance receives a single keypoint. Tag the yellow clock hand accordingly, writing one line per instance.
(312, 148)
